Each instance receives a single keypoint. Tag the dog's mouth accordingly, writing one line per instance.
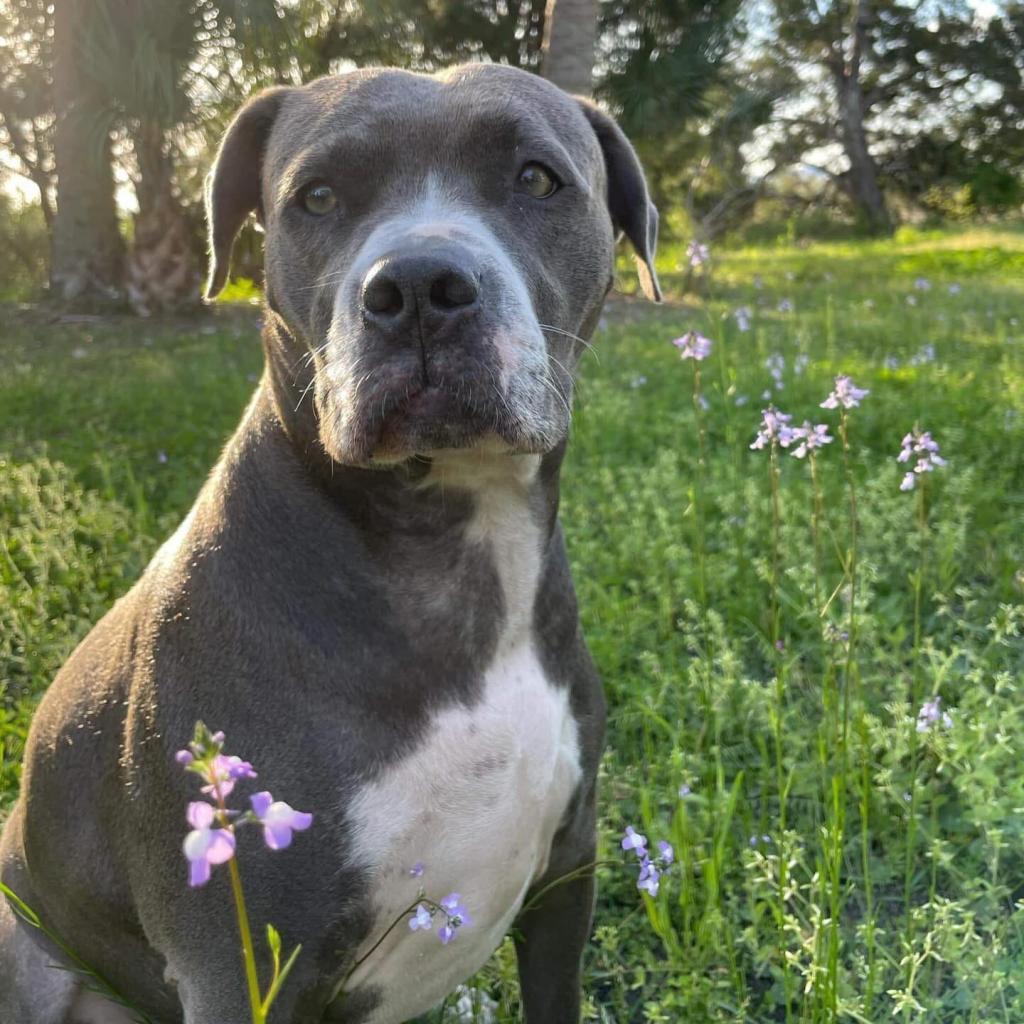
(436, 416)
(398, 419)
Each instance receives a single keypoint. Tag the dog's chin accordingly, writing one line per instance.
(432, 421)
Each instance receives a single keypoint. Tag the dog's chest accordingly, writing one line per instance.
(471, 810)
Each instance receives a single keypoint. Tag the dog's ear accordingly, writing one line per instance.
(631, 208)
(233, 186)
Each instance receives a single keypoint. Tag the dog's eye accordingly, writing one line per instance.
(536, 181)
(319, 199)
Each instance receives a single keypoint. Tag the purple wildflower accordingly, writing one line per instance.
(743, 316)
(184, 757)
(932, 714)
(205, 846)
(457, 916)
(844, 394)
(666, 854)
(416, 871)
(693, 346)
(421, 920)
(649, 878)
(684, 791)
(633, 840)
(810, 437)
(920, 446)
(774, 429)
(785, 305)
(775, 364)
(279, 820)
(922, 284)
(224, 771)
(697, 253)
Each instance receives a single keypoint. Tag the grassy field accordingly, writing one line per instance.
(765, 663)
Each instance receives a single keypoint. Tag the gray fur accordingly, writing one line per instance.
(320, 603)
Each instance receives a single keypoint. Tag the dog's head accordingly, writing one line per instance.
(438, 247)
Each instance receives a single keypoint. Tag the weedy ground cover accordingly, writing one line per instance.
(815, 678)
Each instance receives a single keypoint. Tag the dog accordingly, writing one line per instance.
(371, 595)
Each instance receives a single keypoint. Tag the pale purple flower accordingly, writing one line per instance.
(649, 878)
(931, 714)
(810, 437)
(920, 446)
(225, 771)
(844, 394)
(775, 364)
(925, 354)
(161, 457)
(421, 920)
(684, 791)
(922, 284)
(741, 399)
(633, 840)
(205, 845)
(785, 305)
(457, 916)
(698, 254)
(184, 757)
(743, 316)
(954, 289)
(416, 871)
(774, 429)
(665, 853)
(279, 820)
(800, 363)
(891, 363)
(693, 346)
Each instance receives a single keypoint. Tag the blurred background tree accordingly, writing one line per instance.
(872, 110)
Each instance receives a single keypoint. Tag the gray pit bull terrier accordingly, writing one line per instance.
(371, 595)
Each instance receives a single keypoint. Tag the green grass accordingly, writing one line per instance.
(891, 881)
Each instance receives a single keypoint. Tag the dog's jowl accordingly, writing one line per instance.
(370, 595)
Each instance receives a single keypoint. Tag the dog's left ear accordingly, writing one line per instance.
(631, 208)
(233, 186)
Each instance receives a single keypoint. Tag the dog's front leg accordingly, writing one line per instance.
(552, 932)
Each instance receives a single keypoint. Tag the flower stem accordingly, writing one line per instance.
(248, 953)
(915, 696)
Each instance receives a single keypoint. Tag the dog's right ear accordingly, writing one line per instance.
(233, 186)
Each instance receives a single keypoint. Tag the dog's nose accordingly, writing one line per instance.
(399, 287)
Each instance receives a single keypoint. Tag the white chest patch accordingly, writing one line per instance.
(478, 802)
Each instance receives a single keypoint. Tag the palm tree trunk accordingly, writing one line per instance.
(88, 253)
(161, 272)
(567, 53)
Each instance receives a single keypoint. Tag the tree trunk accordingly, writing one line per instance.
(863, 174)
(567, 53)
(161, 272)
(88, 253)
